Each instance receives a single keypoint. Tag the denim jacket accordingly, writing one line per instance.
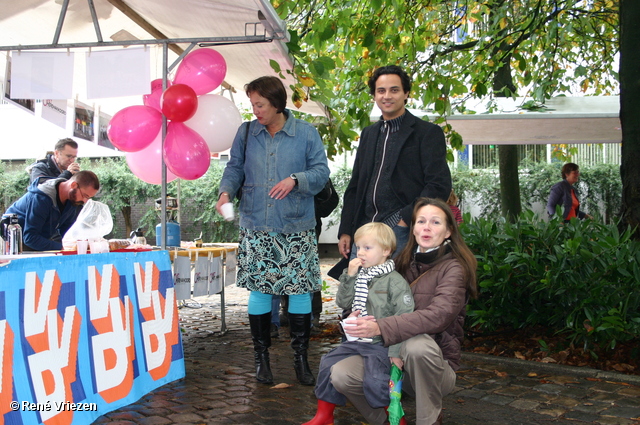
(295, 149)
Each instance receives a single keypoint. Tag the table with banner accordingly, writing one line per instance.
(83, 335)
(205, 271)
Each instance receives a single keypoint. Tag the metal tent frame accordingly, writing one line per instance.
(267, 18)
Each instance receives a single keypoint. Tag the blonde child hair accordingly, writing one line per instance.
(384, 235)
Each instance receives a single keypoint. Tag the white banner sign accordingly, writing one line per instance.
(215, 275)
(201, 277)
(182, 277)
(42, 75)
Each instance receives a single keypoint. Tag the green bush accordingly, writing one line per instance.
(581, 279)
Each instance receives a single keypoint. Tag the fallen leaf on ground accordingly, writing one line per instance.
(281, 386)
(532, 374)
(501, 374)
(548, 360)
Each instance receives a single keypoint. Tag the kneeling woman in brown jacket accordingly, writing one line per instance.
(441, 270)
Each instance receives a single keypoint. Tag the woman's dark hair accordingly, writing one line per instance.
(568, 168)
(458, 247)
(391, 69)
(271, 88)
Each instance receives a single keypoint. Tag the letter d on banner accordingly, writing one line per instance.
(182, 277)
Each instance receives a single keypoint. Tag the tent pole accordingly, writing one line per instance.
(163, 219)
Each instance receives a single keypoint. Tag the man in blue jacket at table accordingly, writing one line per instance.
(48, 209)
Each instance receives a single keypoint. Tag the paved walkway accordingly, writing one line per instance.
(220, 387)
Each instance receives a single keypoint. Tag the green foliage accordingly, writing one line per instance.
(340, 180)
(198, 208)
(13, 184)
(581, 279)
(120, 189)
(599, 189)
(453, 50)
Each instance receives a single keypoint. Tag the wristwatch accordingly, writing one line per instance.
(295, 179)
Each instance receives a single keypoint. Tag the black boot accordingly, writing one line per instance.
(300, 325)
(261, 336)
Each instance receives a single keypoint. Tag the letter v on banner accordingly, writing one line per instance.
(112, 346)
(54, 340)
(160, 326)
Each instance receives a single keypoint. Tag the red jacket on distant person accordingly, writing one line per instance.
(456, 213)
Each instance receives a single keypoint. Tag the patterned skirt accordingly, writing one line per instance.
(278, 263)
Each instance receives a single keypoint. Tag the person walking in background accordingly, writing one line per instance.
(399, 159)
(370, 285)
(441, 270)
(453, 204)
(60, 163)
(564, 193)
(280, 163)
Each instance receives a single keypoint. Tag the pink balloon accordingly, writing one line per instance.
(179, 102)
(185, 152)
(153, 99)
(133, 128)
(146, 164)
(216, 120)
(203, 70)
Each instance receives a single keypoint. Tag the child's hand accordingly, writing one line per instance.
(397, 361)
(354, 266)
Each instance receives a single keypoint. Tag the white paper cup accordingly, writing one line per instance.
(82, 246)
(227, 211)
(345, 327)
(94, 245)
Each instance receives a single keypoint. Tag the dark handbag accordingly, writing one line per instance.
(326, 200)
(246, 141)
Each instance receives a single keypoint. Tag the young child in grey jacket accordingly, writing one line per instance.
(369, 286)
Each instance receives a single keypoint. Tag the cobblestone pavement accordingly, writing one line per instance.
(220, 387)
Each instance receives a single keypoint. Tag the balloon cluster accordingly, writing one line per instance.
(199, 123)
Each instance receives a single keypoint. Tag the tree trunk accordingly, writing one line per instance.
(508, 154)
(509, 181)
(126, 213)
(630, 113)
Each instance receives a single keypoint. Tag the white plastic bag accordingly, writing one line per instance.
(93, 222)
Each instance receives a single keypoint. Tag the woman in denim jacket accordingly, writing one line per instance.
(280, 163)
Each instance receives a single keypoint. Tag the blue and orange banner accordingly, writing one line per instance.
(83, 335)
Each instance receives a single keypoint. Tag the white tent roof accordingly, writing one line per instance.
(34, 22)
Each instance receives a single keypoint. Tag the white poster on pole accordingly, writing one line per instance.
(118, 73)
(201, 277)
(231, 265)
(41, 75)
(215, 275)
(182, 277)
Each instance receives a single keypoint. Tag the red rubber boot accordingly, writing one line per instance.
(324, 415)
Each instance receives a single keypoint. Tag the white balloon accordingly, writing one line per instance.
(217, 120)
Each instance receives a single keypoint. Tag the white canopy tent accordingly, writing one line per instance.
(248, 34)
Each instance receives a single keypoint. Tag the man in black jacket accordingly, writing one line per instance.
(400, 158)
(59, 164)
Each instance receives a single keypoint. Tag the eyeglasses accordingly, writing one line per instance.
(84, 195)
